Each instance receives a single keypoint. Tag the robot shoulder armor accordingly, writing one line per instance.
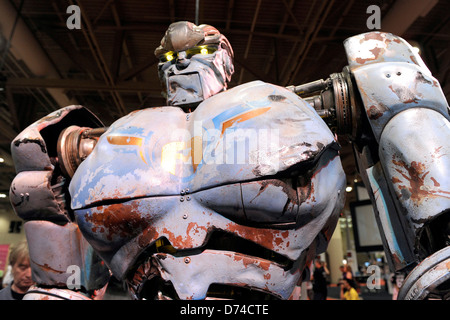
(34, 146)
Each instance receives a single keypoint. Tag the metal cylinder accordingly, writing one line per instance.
(310, 87)
(74, 145)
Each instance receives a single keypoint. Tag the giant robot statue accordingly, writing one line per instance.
(232, 193)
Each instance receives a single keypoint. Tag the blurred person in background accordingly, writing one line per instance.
(319, 280)
(348, 291)
(19, 260)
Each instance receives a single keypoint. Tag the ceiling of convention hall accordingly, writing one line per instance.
(108, 64)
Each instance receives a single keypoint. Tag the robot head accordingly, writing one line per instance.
(195, 62)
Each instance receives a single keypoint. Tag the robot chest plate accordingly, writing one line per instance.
(243, 134)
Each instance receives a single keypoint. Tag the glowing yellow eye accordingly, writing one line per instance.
(169, 57)
(204, 51)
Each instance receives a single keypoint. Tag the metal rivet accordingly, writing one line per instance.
(388, 75)
(188, 198)
(185, 216)
(182, 199)
(399, 73)
(187, 260)
(186, 190)
(182, 192)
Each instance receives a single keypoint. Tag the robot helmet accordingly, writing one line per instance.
(195, 62)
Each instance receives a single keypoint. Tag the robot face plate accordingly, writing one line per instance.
(195, 74)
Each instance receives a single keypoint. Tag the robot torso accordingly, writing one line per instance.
(255, 162)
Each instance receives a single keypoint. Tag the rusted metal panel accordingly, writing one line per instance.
(391, 78)
(29, 150)
(31, 190)
(185, 179)
(397, 238)
(192, 275)
(417, 163)
(121, 232)
(250, 131)
(409, 118)
(424, 280)
(38, 293)
(53, 248)
(376, 47)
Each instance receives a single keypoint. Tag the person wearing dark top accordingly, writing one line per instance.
(320, 280)
(21, 272)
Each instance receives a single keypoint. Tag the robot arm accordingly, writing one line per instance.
(394, 112)
(44, 157)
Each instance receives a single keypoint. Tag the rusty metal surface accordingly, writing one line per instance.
(423, 282)
(29, 150)
(391, 78)
(192, 275)
(376, 47)
(32, 189)
(397, 240)
(409, 119)
(53, 248)
(37, 195)
(284, 196)
(37, 293)
(162, 151)
(417, 163)
(120, 232)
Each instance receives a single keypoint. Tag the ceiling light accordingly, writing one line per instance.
(2, 160)
(349, 189)
(2, 195)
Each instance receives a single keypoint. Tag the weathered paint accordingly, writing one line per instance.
(389, 227)
(391, 78)
(408, 115)
(426, 277)
(53, 248)
(417, 164)
(156, 162)
(39, 293)
(192, 280)
(144, 181)
(37, 196)
(29, 150)
(121, 232)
